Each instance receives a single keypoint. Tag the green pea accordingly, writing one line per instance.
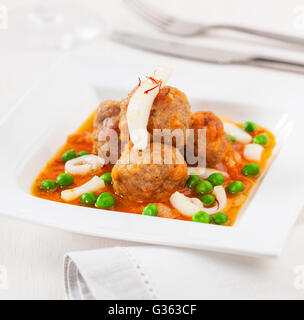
(202, 217)
(69, 155)
(260, 139)
(82, 153)
(88, 198)
(250, 169)
(232, 138)
(235, 187)
(193, 180)
(207, 199)
(105, 201)
(150, 210)
(48, 185)
(249, 126)
(203, 187)
(219, 218)
(216, 179)
(107, 178)
(65, 180)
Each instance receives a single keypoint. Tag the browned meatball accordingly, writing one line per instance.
(165, 211)
(170, 110)
(106, 119)
(143, 180)
(217, 141)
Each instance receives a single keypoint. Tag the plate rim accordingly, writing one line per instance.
(272, 249)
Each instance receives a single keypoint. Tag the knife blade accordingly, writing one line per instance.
(205, 54)
(178, 49)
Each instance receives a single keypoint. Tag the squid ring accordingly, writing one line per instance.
(84, 165)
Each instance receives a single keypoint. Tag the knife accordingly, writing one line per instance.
(205, 54)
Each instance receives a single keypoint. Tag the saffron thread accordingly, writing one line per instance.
(157, 82)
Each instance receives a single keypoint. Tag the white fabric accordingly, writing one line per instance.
(105, 274)
(155, 272)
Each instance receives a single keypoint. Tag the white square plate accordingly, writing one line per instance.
(34, 130)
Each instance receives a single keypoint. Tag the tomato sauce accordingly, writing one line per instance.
(82, 140)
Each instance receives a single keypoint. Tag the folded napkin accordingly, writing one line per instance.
(111, 273)
(158, 272)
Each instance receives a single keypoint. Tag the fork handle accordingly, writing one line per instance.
(260, 33)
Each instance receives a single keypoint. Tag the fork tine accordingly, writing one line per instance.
(141, 10)
(143, 15)
(153, 15)
(152, 11)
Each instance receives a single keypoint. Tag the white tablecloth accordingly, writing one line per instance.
(154, 272)
(33, 255)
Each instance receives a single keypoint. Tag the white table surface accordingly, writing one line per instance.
(33, 255)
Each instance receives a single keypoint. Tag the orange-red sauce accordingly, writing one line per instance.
(81, 140)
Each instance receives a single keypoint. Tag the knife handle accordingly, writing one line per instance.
(276, 64)
(260, 33)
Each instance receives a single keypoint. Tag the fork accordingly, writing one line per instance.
(179, 27)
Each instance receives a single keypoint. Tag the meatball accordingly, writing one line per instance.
(106, 120)
(165, 211)
(217, 141)
(170, 110)
(150, 175)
